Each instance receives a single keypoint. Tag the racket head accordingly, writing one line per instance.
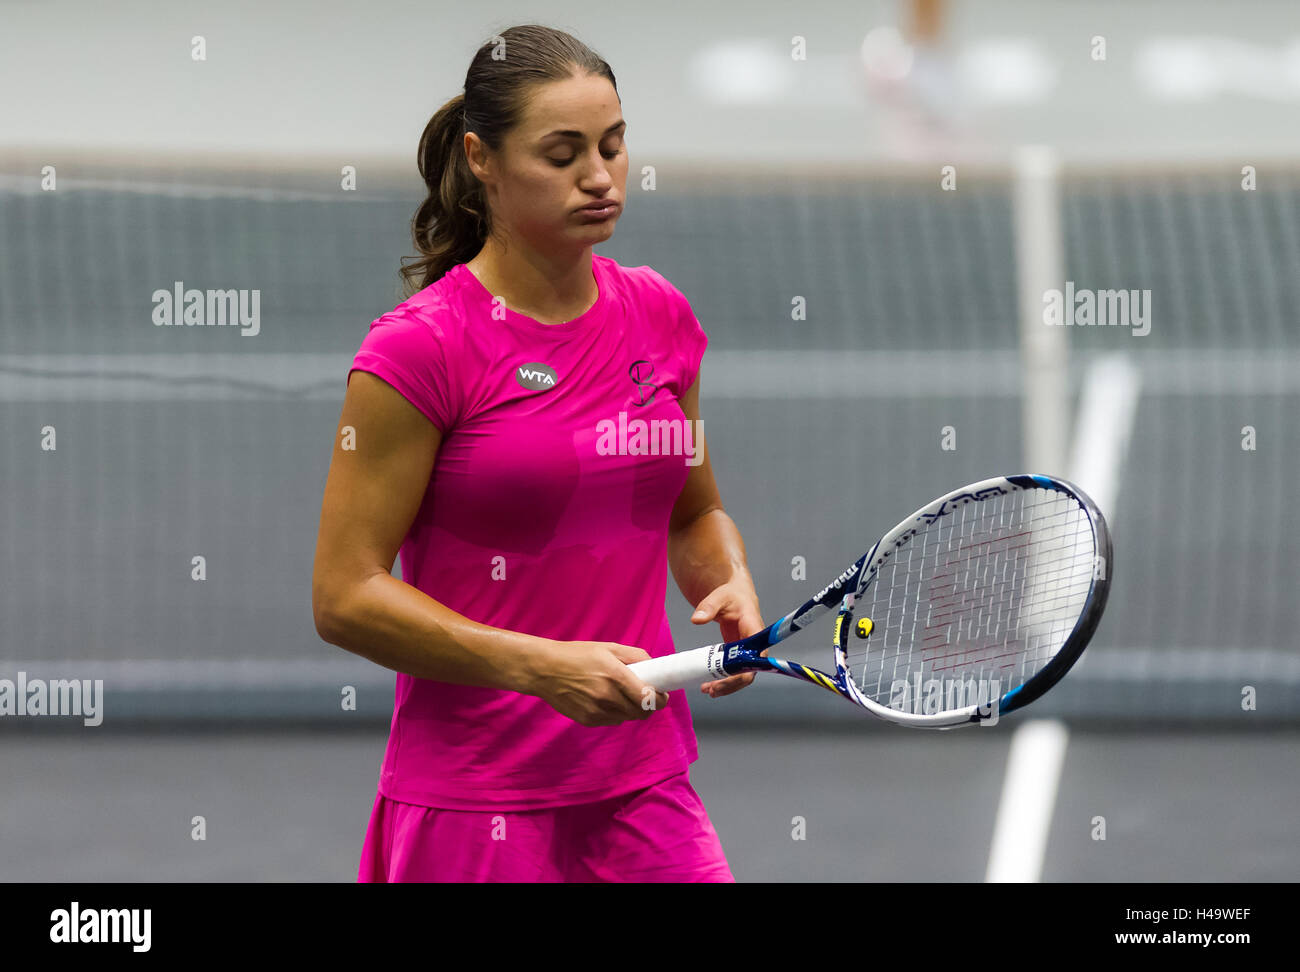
(980, 602)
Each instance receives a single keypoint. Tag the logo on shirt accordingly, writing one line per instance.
(536, 376)
(641, 372)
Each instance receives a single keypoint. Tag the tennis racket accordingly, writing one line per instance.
(971, 608)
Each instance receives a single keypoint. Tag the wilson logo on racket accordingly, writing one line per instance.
(536, 376)
(837, 582)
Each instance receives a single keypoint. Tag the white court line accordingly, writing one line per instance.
(1107, 406)
(1028, 799)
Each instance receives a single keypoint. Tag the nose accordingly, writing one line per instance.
(597, 174)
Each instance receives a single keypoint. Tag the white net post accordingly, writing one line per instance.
(1029, 793)
(1040, 266)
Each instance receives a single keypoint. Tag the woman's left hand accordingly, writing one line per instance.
(734, 606)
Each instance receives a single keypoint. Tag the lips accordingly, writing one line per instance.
(608, 205)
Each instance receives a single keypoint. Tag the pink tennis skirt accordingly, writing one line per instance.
(659, 834)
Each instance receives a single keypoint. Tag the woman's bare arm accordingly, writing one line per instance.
(707, 555)
(372, 495)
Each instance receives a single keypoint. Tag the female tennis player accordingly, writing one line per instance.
(478, 437)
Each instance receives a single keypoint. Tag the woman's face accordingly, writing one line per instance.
(568, 152)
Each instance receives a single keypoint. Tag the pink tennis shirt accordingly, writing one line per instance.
(547, 513)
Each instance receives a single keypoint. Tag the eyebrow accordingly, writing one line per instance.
(570, 133)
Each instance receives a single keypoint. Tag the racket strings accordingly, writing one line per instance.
(976, 603)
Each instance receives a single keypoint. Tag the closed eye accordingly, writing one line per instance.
(560, 163)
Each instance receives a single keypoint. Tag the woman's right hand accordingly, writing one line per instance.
(590, 683)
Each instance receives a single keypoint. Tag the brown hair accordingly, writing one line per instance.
(453, 222)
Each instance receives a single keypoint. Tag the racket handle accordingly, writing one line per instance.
(682, 669)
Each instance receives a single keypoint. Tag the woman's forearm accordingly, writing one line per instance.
(395, 625)
(707, 553)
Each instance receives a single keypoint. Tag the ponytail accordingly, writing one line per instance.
(452, 223)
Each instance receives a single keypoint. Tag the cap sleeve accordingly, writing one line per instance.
(687, 337)
(689, 340)
(410, 353)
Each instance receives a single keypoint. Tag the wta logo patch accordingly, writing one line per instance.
(536, 376)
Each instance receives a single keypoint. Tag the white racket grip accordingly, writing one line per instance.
(682, 669)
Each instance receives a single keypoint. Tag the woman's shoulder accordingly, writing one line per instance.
(436, 309)
(632, 276)
(641, 283)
